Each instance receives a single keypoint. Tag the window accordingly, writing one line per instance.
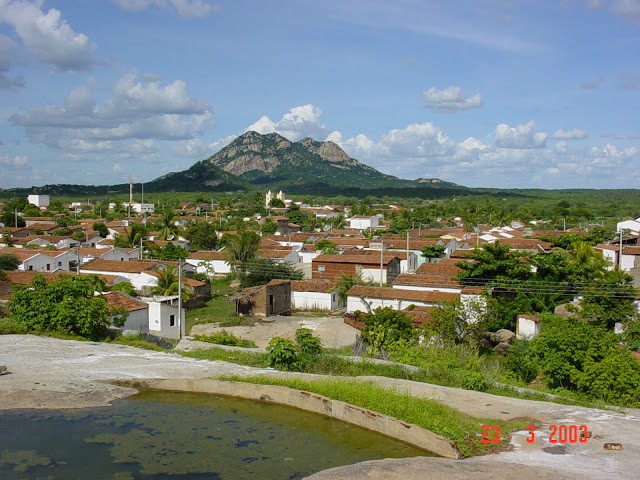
(321, 268)
(172, 320)
(59, 264)
(30, 267)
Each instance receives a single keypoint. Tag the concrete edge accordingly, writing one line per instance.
(311, 402)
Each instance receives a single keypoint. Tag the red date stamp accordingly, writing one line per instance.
(557, 434)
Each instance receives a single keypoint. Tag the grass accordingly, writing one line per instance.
(135, 341)
(301, 313)
(215, 310)
(459, 427)
(240, 357)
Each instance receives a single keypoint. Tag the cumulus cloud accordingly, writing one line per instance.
(48, 36)
(593, 84)
(629, 81)
(450, 100)
(184, 8)
(7, 46)
(196, 148)
(627, 9)
(138, 110)
(522, 136)
(573, 134)
(18, 161)
(299, 122)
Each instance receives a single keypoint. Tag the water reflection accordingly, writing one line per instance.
(158, 435)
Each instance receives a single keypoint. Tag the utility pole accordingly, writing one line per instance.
(407, 251)
(180, 321)
(381, 259)
(620, 252)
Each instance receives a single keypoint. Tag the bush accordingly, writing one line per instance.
(307, 343)
(614, 379)
(384, 328)
(282, 353)
(224, 337)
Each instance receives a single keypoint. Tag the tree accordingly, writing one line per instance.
(167, 227)
(492, 262)
(608, 299)
(167, 283)
(11, 220)
(67, 305)
(384, 327)
(241, 247)
(277, 203)
(8, 261)
(168, 252)
(202, 236)
(260, 271)
(326, 247)
(269, 227)
(124, 287)
(101, 228)
(345, 282)
(430, 252)
(30, 210)
(133, 235)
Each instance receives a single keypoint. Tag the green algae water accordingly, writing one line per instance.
(168, 435)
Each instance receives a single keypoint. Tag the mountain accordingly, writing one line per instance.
(255, 161)
(307, 166)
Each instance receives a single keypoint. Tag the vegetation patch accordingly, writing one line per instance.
(461, 428)
(224, 337)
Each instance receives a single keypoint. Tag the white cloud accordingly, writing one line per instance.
(472, 144)
(184, 8)
(299, 122)
(48, 36)
(609, 156)
(573, 134)
(522, 136)
(137, 110)
(629, 81)
(196, 148)
(450, 100)
(18, 161)
(593, 84)
(7, 47)
(117, 168)
(560, 147)
(627, 9)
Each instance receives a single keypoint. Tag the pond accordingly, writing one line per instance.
(169, 435)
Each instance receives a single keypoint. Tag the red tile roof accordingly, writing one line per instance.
(400, 294)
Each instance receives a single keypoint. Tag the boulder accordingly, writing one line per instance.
(484, 343)
(501, 349)
(502, 335)
(3, 369)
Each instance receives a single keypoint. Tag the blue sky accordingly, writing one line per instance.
(512, 94)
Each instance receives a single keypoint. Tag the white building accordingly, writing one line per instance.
(364, 222)
(209, 263)
(633, 226)
(40, 201)
(312, 295)
(527, 327)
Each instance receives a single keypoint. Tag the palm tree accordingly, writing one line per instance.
(132, 237)
(168, 226)
(241, 247)
(168, 283)
(345, 282)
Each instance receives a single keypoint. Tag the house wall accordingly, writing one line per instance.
(160, 320)
(202, 266)
(527, 329)
(610, 255)
(138, 320)
(44, 263)
(140, 281)
(426, 288)
(121, 255)
(473, 306)
(627, 262)
(281, 295)
(314, 301)
(356, 303)
(307, 257)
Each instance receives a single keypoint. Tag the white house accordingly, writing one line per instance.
(43, 260)
(364, 222)
(136, 207)
(313, 295)
(528, 326)
(209, 263)
(137, 310)
(633, 226)
(163, 317)
(362, 298)
(137, 272)
(40, 201)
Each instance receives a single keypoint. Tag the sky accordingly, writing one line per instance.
(508, 94)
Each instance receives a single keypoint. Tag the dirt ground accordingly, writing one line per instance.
(333, 332)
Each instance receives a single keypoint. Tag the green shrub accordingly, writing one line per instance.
(9, 326)
(307, 343)
(224, 337)
(614, 379)
(282, 353)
